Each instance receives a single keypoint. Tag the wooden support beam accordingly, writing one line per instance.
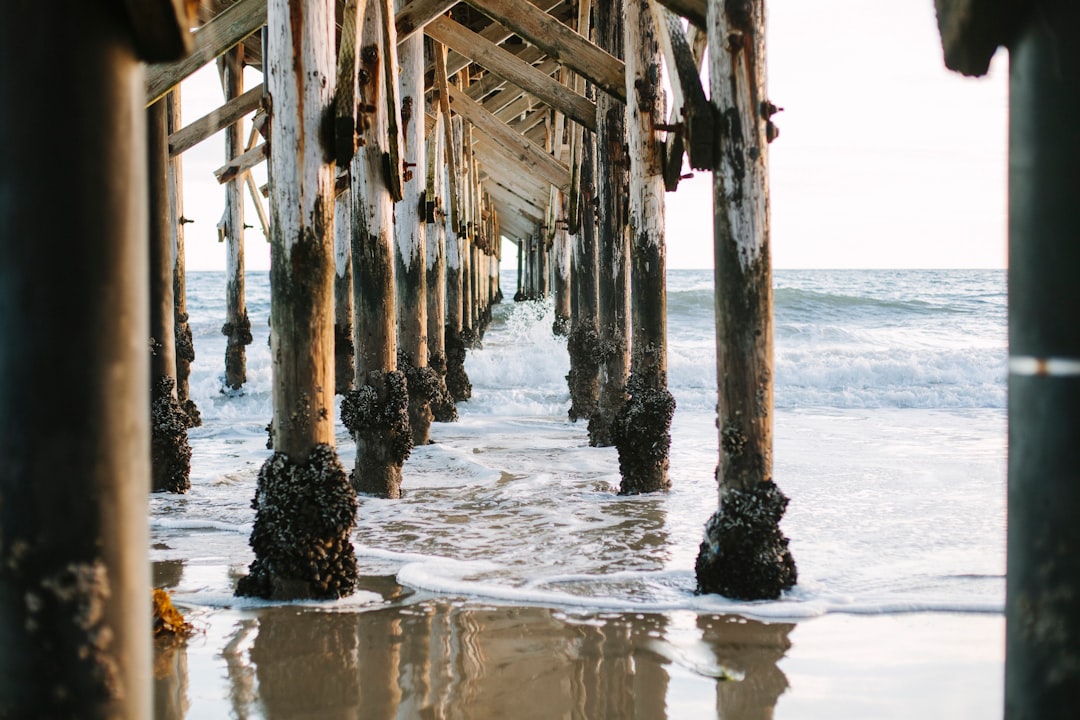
(693, 10)
(208, 42)
(496, 33)
(518, 146)
(256, 198)
(695, 128)
(241, 164)
(185, 347)
(237, 327)
(191, 135)
(559, 42)
(491, 82)
(509, 67)
(412, 18)
(345, 136)
(453, 153)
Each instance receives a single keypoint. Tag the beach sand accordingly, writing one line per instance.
(389, 652)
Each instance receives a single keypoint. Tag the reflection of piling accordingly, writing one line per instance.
(584, 341)
(744, 554)
(237, 327)
(185, 344)
(410, 246)
(611, 190)
(641, 430)
(305, 507)
(1042, 675)
(74, 302)
(753, 650)
(170, 451)
(376, 411)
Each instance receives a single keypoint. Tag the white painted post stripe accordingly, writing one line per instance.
(1054, 367)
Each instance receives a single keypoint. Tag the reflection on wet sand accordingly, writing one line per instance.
(441, 659)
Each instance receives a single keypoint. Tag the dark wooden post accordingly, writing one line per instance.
(457, 380)
(519, 293)
(563, 287)
(584, 341)
(170, 451)
(305, 506)
(612, 236)
(1042, 609)
(185, 344)
(642, 427)
(442, 407)
(237, 327)
(744, 554)
(377, 411)
(74, 427)
(343, 294)
(410, 246)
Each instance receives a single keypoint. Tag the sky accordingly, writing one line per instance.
(885, 159)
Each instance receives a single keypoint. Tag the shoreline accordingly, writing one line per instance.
(392, 652)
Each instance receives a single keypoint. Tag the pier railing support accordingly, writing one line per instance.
(377, 410)
(744, 554)
(74, 367)
(305, 508)
(170, 451)
(642, 429)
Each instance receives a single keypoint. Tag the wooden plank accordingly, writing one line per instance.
(243, 163)
(689, 100)
(496, 33)
(559, 42)
(191, 135)
(415, 15)
(509, 67)
(492, 82)
(517, 145)
(693, 10)
(208, 42)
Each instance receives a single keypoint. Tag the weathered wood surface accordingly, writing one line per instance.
(414, 15)
(496, 33)
(512, 69)
(691, 111)
(237, 327)
(242, 163)
(559, 42)
(76, 443)
(527, 152)
(209, 41)
(185, 345)
(693, 10)
(612, 235)
(215, 121)
(642, 428)
(300, 82)
(343, 294)
(453, 162)
(758, 565)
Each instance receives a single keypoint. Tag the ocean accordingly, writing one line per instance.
(890, 441)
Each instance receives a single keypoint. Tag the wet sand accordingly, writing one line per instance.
(392, 653)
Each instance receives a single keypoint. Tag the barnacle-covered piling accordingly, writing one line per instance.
(377, 415)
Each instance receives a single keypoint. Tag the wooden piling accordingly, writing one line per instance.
(377, 411)
(457, 380)
(612, 236)
(744, 554)
(305, 508)
(343, 295)
(442, 407)
(74, 368)
(410, 245)
(563, 288)
(584, 341)
(237, 327)
(170, 451)
(642, 429)
(185, 344)
(1042, 596)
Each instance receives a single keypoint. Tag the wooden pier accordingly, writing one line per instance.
(405, 144)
